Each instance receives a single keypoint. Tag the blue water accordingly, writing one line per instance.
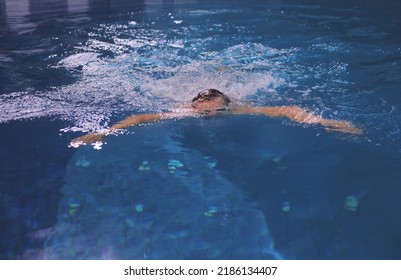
(227, 187)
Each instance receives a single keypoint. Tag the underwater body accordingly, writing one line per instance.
(224, 187)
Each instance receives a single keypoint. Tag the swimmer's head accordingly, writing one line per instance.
(210, 100)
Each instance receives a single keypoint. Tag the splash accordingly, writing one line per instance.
(127, 68)
(134, 81)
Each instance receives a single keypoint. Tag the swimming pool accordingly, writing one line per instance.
(229, 187)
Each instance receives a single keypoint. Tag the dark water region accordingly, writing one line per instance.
(32, 154)
(74, 65)
(33, 32)
(322, 226)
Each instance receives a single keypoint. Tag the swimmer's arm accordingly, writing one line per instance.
(137, 120)
(128, 122)
(300, 115)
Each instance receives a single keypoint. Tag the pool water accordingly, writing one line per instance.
(226, 187)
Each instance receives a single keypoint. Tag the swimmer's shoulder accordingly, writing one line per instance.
(241, 108)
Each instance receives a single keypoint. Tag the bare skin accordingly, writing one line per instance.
(293, 113)
(301, 115)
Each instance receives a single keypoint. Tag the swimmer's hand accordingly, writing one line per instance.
(301, 115)
(130, 121)
(88, 138)
(340, 126)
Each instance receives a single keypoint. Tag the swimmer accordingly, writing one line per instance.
(212, 102)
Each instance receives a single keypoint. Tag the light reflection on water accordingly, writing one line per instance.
(90, 63)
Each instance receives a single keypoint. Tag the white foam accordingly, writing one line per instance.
(144, 70)
(131, 80)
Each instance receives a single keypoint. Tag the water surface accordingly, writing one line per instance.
(243, 187)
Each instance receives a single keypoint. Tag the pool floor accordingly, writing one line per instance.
(223, 187)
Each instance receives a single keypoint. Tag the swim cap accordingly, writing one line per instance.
(210, 94)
